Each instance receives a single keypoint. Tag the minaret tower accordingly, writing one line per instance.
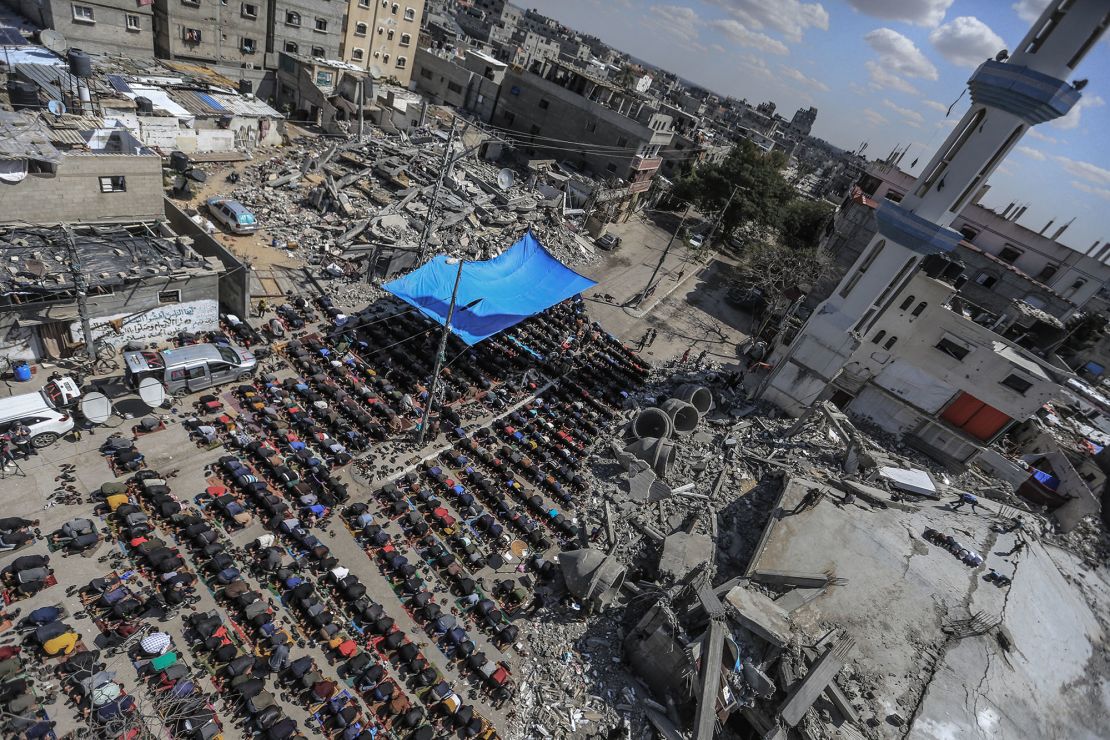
(1008, 96)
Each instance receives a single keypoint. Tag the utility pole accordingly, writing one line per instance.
(440, 357)
(426, 232)
(361, 98)
(721, 215)
(662, 258)
(81, 288)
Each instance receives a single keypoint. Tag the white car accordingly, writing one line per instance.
(695, 241)
(43, 411)
(47, 427)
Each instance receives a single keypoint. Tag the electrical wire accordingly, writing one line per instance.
(568, 141)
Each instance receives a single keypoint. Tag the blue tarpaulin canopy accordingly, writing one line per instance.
(494, 294)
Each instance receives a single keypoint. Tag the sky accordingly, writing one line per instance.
(881, 71)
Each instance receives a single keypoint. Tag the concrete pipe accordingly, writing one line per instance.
(697, 396)
(651, 422)
(684, 417)
(592, 576)
(656, 452)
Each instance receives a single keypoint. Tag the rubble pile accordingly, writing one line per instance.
(337, 206)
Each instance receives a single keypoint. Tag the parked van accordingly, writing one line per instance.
(191, 368)
(45, 412)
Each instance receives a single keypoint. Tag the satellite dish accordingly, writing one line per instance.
(505, 179)
(53, 40)
(56, 107)
(152, 392)
(96, 408)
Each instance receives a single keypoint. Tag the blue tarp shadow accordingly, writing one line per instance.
(496, 293)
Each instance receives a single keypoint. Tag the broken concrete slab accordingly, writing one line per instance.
(805, 692)
(759, 615)
(798, 598)
(798, 579)
(911, 480)
(645, 487)
(682, 552)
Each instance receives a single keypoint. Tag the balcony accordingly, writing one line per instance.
(646, 163)
(639, 187)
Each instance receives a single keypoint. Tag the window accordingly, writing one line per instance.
(870, 258)
(893, 196)
(406, 39)
(134, 23)
(191, 35)
(611, 167)
(968, 233)
(381, 30)
(249, 46)
(890, 342)
(395, 8)
(958, 138)
(621, 141)
(426, 73)
(364, 3)
(953, 347)
(169, 296)
(195, 372)
(291, 47)
(1009, 254)
(318, 51)
(357, 54)
(457, 88)
(389, 36)
(292, 18)
(1075, 286)
(878, 336)
(83, 14)
(920, 308)
(194, 3)
(906, 303)
(177, 375)
(324, 78)
(985, 279)
(1017, 383)
(249, 11)
(544, 104)
(322, 25)
(402, 62)
(385, 58)
(360, 29)
(1047, 273)
(113, 184)
(410, 14)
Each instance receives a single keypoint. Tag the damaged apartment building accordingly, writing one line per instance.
(901, 340)
(84, 213)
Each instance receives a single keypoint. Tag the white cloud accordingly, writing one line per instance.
(1072, 119)
(791, 18)
(1100, 192)
(755, 64)
(874, 118)
(900, 55)
(1032, 153)
(1030, 10)
(918, 12)
(909, 117)
(1085, 170)
(1035, 133)
(717, 48)
(966, 41)
(935, 105)
(681, 21)
(800, 77)
(881, 78)
(744, 36)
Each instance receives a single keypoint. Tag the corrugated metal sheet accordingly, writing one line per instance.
(51, 80)
(67, 136)
(243, 106)
(193, 102)
(210, 101)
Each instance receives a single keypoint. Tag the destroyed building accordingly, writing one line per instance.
(563, 103)
(323, 92)
(116, 26)
(470, 83)
(141, 281)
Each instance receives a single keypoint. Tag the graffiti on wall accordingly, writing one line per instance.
(157, 323)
